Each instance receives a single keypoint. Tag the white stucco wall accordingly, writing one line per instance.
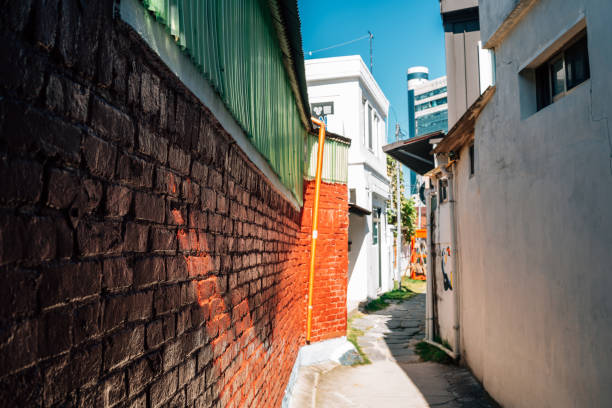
(535, 226)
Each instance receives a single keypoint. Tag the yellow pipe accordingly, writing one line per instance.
(315, 222)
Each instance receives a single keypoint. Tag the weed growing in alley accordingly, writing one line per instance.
(429, 352)
(352, 334)
(382, 301)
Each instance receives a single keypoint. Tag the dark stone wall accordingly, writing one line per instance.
(144, 261)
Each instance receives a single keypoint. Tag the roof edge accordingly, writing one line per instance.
(511, 20)
(286, 18)
(455, 137)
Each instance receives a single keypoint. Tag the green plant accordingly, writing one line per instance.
(381, 302)
(353, 334)
(406, 205)
(429, 352)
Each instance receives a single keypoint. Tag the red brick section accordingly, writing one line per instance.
(331, 263)
(144, 261)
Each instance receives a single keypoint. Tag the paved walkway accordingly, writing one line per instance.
(396, 377)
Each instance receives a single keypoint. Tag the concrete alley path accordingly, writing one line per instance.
(396, 377)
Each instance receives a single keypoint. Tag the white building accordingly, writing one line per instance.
(343, 92)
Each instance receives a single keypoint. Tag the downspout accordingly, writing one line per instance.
(315, 222)
(448, 172)
(429, 271)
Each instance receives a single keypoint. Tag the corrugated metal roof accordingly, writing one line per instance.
(252, 60)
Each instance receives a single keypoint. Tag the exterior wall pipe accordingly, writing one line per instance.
(315, 222)
(448, 172)
(429, 272)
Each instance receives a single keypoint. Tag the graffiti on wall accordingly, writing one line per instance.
(448, 282)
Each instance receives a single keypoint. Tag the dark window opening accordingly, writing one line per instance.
(442, 186)
(564, 71)
(471, 160)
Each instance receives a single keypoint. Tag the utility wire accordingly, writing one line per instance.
(340, 45)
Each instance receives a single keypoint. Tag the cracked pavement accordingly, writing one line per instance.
(397, 377)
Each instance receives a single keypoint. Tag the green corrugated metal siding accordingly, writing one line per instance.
(335, 160)
(234, 45)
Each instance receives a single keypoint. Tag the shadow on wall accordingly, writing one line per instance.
(252, 314)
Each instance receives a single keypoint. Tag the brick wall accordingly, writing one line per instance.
(144, 261)
(331, 262)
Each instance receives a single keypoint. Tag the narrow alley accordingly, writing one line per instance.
(396, 376)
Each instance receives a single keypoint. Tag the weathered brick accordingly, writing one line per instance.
(68, 31)
(116, 274)
(190, 191)
(199, 172)
(96, 238)
(140, 305)
(167, 298)
(41, 239)
(89, 197)
(64, 283)
(167, 182)
(209, 199)
(133, 86)
(63, 188)
(142, 372)
(136, 237)
(87, 321)
(100, 157)
(77, 102)
(149, 270)
(149, 92)
(23, 389)
(113, 390)
(163, 389)
(71, 372)
(18, 290)
(176, 268)
(123, 347)
(179, 160)
(46, 17)
(134, 171)
(152, 145)
(54, 332)
(149, 207)
(54, 95)
(163, 240)
(115, 312)
(118, 200)
(155, 333)
(111, 123)
(21, 181)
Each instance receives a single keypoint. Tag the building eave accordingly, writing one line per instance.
(287, 25)
(463, 131)
(512, 19)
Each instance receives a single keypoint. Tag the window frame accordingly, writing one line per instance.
(545, 91)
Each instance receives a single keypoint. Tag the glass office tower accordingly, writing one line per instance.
(427, 108)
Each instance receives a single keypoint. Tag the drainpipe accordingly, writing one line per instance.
(315, 222)
(429, 271)
(448, 172)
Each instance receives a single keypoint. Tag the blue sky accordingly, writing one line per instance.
(406, 33)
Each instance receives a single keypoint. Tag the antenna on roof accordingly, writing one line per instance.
(371, 65)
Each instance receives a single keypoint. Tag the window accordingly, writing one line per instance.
(363, 109)
(370, 127)
(430, 93)
(471, 159)
(376, 131)
(564, 71)
(442, 185)
(431, 104)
